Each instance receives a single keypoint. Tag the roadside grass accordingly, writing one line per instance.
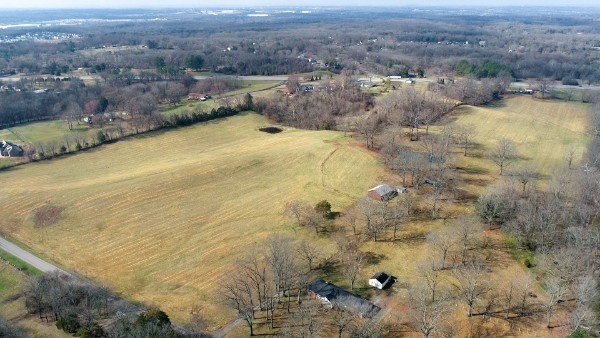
(19, 264)
(6, 163)
(162, 218)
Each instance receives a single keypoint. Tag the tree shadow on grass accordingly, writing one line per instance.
(372, 258)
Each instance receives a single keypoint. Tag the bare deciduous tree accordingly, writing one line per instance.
(442, 241)
(471, 285)
(352, 264)
(503, 153)
(426, 312)
(309, 252)
(525, 175)
(464, 136)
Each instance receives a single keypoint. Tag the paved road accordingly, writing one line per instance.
(28, 258)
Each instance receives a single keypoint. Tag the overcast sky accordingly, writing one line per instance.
(42, 4)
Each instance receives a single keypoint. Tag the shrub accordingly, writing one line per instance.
(324, 208)
(69, 323)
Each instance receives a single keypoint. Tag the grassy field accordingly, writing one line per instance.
(543, 130)
(43, 131)
(162, 218)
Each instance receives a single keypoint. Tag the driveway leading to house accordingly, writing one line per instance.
(28, 258)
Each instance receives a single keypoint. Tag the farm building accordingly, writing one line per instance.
(384, 192)
(330, 295)
(9, 149)
(380, 280)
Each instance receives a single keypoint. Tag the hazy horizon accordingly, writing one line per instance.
(116, 4)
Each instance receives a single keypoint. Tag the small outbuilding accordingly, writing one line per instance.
(333, 296)
(380, 280)
(9, 149)
(384, 192)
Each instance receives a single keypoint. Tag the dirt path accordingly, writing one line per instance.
(227, 328)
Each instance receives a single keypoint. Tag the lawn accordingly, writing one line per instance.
(44, 131)
(161, 218)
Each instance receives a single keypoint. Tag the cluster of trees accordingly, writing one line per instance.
(268, 287)
(458, 270)
(484, 69)
(323, 108)
(84, 310)
(75, 307)
(474, 92)
(557, 227)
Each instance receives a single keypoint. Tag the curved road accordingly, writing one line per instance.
(29, 258)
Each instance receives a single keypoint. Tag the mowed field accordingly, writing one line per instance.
(162, 218)
(544, 132)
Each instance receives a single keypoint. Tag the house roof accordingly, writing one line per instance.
(5, 144)
(334, 293)
(381, 277)
(382, 189)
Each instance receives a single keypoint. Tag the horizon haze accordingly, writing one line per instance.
(81, 4)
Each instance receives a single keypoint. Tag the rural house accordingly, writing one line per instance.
(197, 96)
(9, 149)
(384, 192)
(330, 295)
(380, 280)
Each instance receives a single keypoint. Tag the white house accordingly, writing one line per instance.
(380, 280)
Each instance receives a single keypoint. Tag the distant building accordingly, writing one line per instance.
(197, 97)
(9, 149)
(334, 296)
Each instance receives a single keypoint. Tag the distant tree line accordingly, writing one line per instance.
(400, 44)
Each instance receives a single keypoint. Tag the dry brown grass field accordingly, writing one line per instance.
(162, 218)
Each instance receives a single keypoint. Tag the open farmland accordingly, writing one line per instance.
(544, 132)
(162, 218)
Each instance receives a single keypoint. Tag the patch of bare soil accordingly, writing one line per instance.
(47, 215)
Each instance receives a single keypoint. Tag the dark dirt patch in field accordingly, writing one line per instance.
(271, 130)
(47, 215)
